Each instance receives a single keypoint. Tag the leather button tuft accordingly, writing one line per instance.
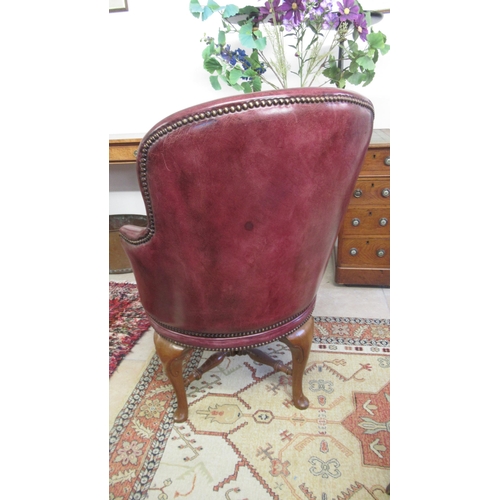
(249, 226)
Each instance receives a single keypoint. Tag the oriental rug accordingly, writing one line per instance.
(127, 321)
(244, 439)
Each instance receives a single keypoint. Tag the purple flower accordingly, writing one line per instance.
(348, 10)
(272, 10)
(293, 11)
(360, 26)
(330, 20)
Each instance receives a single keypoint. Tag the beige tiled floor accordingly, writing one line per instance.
(332, 300)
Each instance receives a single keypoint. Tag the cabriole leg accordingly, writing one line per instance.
(299, 343)
(171, 356)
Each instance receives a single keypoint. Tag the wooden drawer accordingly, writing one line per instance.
(359, 221)
(123, 151)
(364, 252)
(371, 191)
(376, 162)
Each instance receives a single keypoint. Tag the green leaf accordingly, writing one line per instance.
(209, 9)
(195, 8)
(333, 72)
(208, 51)
(214, 80)
(356, 79)
(250, 38)
(369, 77)
(353, 46)
(207, 12)
(230, 10)
(376, 40)
(366, 62)
(249, 9)
(260, 41)
(385, 49)
(222, 37)
(257, 84)
(212, 65)
(234, 75)
(250, 72)
(247, 88)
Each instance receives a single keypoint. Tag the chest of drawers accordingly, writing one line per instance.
(363, 247)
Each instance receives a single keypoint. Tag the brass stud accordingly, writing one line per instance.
(226, 110)
(232, 109)
(202, 115)
(245, 105)
(250, 104)
(196, 117)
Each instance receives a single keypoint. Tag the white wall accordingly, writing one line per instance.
(155, 52)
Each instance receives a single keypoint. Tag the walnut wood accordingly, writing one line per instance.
(369, 221)
(172, 356)
(299, 343)
(362, 276)
(123, 150)
(366, 268)
(261, 357)
(366, 257)
(213, 361)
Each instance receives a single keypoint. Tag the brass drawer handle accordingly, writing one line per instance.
(135, 153)
(355, 222)
(383, 221)
(387, 161)
(358, 193)
(385, 192)
(353, 251)
(380, 252)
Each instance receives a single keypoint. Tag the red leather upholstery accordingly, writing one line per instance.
(244, 197)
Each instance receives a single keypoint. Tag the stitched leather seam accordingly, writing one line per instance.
(211, 113)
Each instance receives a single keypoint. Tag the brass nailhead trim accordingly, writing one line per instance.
(256, 103)
(259, 344)
(227, 335)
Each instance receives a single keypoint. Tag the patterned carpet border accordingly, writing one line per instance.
(342, 334)
(127, 321)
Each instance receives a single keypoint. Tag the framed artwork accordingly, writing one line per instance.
(118, 5)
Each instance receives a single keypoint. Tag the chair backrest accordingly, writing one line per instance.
(244, 197)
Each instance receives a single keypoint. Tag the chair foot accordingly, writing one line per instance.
(171, 357)
(299, 343)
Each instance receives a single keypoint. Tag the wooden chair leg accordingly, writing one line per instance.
(299, 343)
(171, 356)
(261, 357)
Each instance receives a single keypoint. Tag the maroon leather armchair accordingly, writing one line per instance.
(244, 197)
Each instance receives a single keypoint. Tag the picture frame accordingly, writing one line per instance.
(118, 5)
